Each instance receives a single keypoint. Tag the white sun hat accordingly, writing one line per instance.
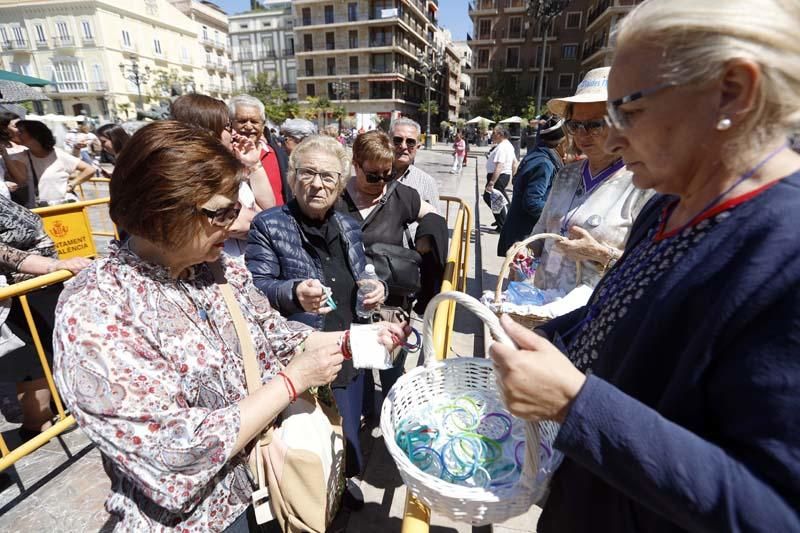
(593, 88)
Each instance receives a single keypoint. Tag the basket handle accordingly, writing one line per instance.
(512, 253)
(477, 308)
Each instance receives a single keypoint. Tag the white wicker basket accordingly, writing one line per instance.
(454, 378)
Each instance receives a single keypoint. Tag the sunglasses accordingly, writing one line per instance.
(377, 178)
(589, 127)
(222, 217)
(410, 142)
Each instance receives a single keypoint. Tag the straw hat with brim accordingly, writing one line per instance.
(593, 88)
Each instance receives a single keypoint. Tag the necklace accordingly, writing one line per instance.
(594, 183)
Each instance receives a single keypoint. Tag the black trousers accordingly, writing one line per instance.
(499, 185)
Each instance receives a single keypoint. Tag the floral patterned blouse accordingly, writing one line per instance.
(151, 369)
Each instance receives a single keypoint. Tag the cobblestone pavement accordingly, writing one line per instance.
(62, 486)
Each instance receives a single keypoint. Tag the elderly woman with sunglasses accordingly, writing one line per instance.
(147, 354)
(689, 419)
(395, 206)
(307, 258)
(592, 201)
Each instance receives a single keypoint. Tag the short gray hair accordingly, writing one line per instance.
(405, 121)
(298, 128)
(502, 130)
(245, 100)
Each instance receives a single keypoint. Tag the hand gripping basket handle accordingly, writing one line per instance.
(532, 436)
(480, 310)
(512, 253)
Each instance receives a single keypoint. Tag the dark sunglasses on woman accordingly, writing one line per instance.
(590, 127)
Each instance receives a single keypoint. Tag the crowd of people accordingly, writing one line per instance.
(676, 386)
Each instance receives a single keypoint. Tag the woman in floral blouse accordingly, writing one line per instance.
(147, 356)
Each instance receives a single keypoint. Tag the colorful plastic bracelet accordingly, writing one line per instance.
(504, 418)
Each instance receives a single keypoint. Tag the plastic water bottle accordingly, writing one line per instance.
(363, 290)
(97, 169)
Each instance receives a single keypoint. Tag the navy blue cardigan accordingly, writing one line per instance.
(690, 419)
(279, 255)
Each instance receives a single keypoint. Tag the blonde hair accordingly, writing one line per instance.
(699, 37)
(321, 143)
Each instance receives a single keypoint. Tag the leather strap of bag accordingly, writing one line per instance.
(381, 203)
(252, 375)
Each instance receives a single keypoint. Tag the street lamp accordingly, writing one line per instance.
(430, 64)
(544, 11)
(340, 89)
(134, 75)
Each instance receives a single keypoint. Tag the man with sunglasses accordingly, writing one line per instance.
(405, 137)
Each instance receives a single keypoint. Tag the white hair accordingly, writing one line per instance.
(405, 121)
(245, 100)
(316, 144)
(700, 37)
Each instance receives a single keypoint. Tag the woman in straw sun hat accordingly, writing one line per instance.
(593, 201)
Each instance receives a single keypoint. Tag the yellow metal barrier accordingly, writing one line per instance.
(416, 517)
(70, 228)
(20, 290)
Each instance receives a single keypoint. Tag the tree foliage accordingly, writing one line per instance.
(501, 97)
(277, 104)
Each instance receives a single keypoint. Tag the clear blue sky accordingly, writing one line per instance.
(452, 15)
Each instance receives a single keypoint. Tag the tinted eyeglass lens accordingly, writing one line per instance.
(410, 143)
(592, 127)
(222, 217)
(375, 178)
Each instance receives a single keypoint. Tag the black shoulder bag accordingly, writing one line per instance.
(396, 265)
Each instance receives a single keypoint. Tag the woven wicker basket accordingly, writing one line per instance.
(529, 321)
(453, 378)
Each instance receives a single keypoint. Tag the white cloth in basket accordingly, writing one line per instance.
(558, 302)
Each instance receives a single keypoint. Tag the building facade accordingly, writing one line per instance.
(213, 48)
(507, 44)
(601, 21)
(263, 41)
(87, 48)
(365, 54)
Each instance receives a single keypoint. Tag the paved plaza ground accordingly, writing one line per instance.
(62, 486)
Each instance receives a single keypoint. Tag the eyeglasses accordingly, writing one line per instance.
(377, 178)
(589, 127)
(619, 118)
(306, 176)
(411, 143)
(222, 217)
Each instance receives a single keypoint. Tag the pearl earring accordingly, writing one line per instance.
(724, 124)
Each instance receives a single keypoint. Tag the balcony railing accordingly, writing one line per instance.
(246, 55)
(288, 53)
(64, 41)
(381, 42)
(270, 54)
(16, 44)
(78, 86)
(380, 69)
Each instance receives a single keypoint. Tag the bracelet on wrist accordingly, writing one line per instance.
(289, 387)
(344, 345)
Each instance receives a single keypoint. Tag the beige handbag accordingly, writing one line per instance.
(298, 463)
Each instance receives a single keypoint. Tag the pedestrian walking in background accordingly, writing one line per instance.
(499, 166)
(459, 153)
(532, 184)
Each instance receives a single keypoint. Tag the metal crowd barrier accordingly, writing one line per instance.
(69, 227)
(416, 517)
